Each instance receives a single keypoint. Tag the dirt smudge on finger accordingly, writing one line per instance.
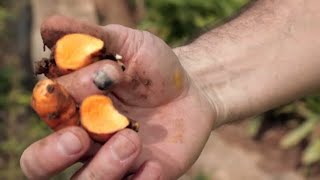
(178, 79)
(135, 83)
(147, 82)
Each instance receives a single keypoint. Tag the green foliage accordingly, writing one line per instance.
(313, 103)
(201, 176)
(177, 21)
(312, 153)
(5, 86)
(307, 131)
(309, 109)
(19, 127)
(4, 15)
(254, 126)
(294, 137)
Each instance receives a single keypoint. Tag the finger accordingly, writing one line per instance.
(150, 170)
(93, 79)
(114, 158)
(54, 153)
(118, 39)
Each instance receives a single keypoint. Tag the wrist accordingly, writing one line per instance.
(193, 65)
(243, 66)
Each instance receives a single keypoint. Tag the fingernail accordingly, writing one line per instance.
(69, 143)
(102, 80)
(123, 148)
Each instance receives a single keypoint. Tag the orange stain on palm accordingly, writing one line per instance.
(178, 130)
(178, 79)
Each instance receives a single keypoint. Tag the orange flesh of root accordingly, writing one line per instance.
(42, 101)
(99, 117)
(54, 105)
(74, 51)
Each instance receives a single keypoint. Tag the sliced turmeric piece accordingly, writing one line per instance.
(74, 51)
(54, 105)
(100, 118)
(71, 52)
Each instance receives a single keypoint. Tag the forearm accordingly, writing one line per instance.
(266, 57)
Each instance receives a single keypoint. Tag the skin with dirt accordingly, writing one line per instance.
(153, 90)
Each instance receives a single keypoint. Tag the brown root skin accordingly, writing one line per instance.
(55, 72)
(100, 119)
(49, 68)
(42, 67)
(134, 125)
(54, 105)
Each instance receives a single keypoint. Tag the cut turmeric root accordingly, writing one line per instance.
(54, 105)
(75, 51)
(101, 119)
(71, 52)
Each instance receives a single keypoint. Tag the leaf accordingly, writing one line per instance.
(313, 103)
(297, 135)
(201, 176)
(23, 98)
(254, 126)
(184, 19)
(312, 153)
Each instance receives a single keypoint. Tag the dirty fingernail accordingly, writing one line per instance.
(102, 80)
(123, 148)
(69, 143)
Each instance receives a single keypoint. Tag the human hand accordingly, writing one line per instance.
(175, 116)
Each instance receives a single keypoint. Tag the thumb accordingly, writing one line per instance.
(55, 27)
(118, 39)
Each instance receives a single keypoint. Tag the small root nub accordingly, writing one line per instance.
(134, 125)
(42, 66)
(50, 88)
(53, 116)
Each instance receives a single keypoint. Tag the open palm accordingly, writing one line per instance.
(175, 117)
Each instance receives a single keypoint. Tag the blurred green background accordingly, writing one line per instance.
(176, 21)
